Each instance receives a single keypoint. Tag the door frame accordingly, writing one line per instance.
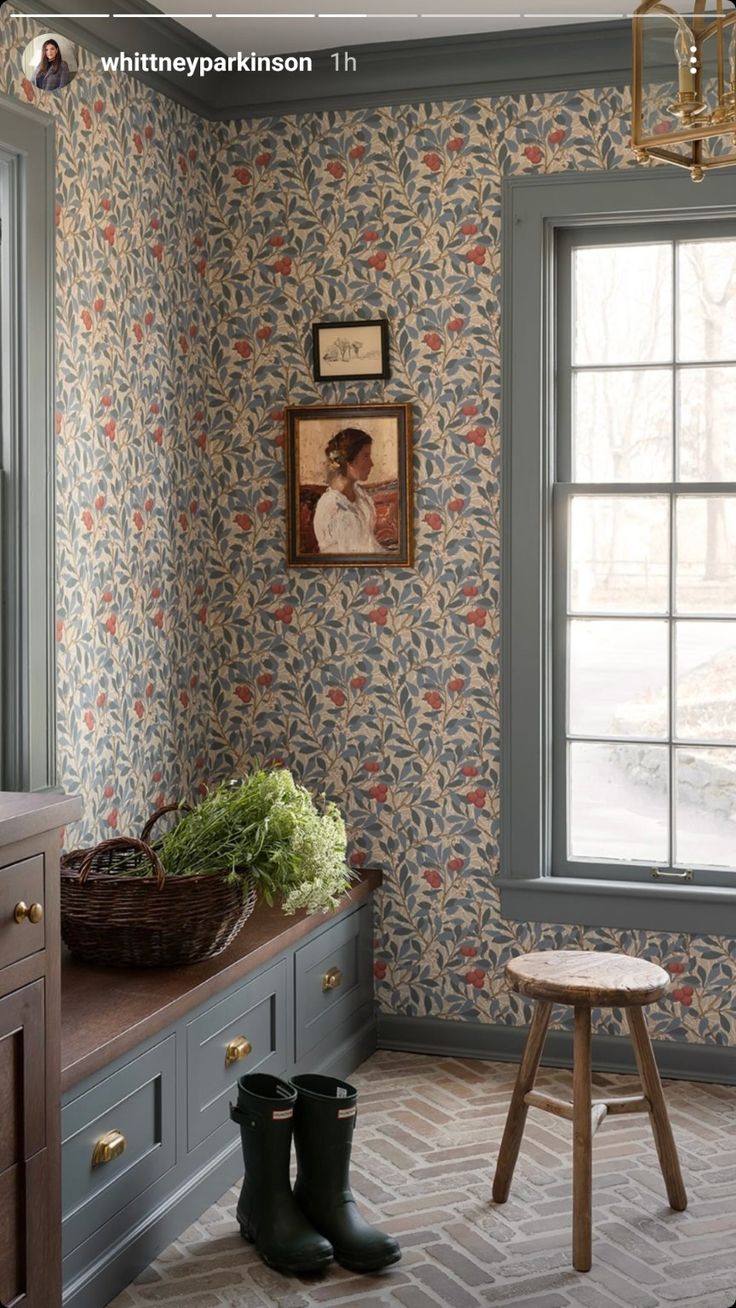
(27, 448)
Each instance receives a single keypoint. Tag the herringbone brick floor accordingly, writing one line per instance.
(426, 1141)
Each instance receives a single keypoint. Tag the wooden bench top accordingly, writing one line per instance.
(107, 1011)
(587, 976)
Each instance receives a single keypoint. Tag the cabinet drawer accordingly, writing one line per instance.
(138, 1102)
(342, 955)
(256, 1013)
(21, 882)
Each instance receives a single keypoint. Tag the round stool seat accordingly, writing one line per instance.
(587, 977)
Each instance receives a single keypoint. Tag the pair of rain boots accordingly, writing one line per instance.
(304, 1229)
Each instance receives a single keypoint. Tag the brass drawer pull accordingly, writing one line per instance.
(25, 914)
(332, 979)
(109, 1146)
(237, 1049)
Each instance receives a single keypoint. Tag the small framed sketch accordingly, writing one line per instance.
(349, 486)
(350, 351)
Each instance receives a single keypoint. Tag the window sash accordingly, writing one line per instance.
(563, 488)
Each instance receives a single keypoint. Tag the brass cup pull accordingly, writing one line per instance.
(23, 913)
(237, 1049)
(332, 979)
(109, 1146)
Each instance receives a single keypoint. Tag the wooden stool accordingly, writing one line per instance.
(587, 979)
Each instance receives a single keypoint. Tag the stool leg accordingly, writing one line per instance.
(514, 1129)
(582, 1144)
(658, 1116)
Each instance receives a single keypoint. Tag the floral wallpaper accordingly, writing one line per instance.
(132, 552)
(193, 258)
(381, 686)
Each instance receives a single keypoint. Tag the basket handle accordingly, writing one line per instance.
(167, 808)
(125, 842)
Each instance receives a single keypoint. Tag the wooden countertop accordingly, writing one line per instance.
(107, 1011)
(23, 814)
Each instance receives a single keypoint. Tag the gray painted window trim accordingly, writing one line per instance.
(533, 210)
(27, 538)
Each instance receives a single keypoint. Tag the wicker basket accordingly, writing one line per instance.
(115, 919)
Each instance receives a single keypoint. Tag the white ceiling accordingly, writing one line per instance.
(299, 25)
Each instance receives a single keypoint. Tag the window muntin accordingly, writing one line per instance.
(644, 543)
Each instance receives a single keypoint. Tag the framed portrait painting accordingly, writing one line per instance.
(351, 351)
(348, 485)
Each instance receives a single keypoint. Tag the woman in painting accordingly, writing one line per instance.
(53, 71)
(345, 515)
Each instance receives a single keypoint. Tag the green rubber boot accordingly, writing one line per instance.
(267, 1212)
(324, 1121)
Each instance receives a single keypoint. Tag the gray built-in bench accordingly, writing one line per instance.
(151, 1057)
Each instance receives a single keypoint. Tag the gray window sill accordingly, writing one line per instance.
(695, 910)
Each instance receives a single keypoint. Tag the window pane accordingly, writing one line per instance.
(618, 678)
(706, 420)
(705, 680)
(706, 807)
(619, 559)
(622, 425)
(705, 570)
(622, 304)
(706, 323)
(618, 801)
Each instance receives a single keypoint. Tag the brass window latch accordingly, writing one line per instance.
(671, 874)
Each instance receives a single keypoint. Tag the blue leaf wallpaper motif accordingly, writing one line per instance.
(132, 549)
(192, 259)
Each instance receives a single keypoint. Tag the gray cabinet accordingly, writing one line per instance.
(307, 1008)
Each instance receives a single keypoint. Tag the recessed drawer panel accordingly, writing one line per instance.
(117, 1139)
(333, 978)
(21, 886)
(245, 1032)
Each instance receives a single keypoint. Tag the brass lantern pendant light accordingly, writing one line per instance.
(704, 109)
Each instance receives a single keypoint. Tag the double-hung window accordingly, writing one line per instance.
(619, 591)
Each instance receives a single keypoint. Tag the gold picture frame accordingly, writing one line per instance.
(349, 500)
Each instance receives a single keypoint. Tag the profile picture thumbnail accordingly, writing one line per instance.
(49, 62)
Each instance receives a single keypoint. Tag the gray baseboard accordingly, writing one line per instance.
(505, 1044)
(347, 1054)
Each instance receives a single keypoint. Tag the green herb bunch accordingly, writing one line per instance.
(267, 826)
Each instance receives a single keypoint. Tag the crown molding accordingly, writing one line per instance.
(581, 55)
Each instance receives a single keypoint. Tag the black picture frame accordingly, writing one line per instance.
(388, 428)
(351, 342)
